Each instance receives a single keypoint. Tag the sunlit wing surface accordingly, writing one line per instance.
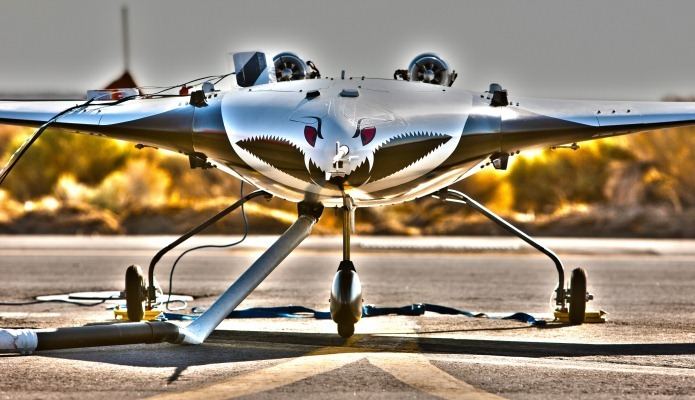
(529, 122)
(159, 122)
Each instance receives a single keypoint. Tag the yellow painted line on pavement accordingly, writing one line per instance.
(412, 369)
(313, 363)
(415, 370)
(26, 314)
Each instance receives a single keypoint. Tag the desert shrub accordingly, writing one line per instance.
(671, 154)
(7, 134)
(89, 159)
(557, 177)
(652, 168)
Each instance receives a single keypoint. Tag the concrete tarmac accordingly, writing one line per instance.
(646, 349)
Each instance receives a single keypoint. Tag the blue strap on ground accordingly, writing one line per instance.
(367, 311)
(280, 312)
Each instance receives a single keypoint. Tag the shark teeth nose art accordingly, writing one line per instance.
(401, 151)
(279, 153)
(389, 157)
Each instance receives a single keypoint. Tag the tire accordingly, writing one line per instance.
(577, 296)
(346, 330)
(134, 291)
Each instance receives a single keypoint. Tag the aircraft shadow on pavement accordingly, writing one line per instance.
(236, 346)
(413, 343)
(179, 356)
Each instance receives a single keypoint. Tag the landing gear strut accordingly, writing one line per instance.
(140, 298)
(576, 295)
(200, 329)
(346, 292)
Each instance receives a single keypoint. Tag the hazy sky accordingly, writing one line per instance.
(613, 49)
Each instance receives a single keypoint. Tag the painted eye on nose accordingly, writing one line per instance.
(367, 134)
(310, 134)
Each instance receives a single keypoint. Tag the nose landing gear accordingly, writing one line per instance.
(346, 292)
(346, 299)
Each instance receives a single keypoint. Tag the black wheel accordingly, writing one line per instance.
(135, 293)
(346, 330)
(577, 296)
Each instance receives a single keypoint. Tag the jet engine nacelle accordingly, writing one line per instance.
(428, 68)
(290, 67)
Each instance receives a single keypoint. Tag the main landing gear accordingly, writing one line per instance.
(346, 292)
(576, 295)
(135, 293)
(140, 298)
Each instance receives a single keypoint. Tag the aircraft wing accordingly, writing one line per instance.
(528, 122)
(164, 122)
(34, 112)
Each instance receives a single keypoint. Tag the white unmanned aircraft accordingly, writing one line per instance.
(326, 142)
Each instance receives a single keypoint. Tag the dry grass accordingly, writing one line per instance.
(110, 181)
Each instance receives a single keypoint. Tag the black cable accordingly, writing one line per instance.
(14, 159)
(222, 77)
(185, 83)
(17, 155)
(316, 73)
(219, 79)
(207, 246)
(25, 146)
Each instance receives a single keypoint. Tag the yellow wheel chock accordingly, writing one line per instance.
(590, 317)
(121, 314)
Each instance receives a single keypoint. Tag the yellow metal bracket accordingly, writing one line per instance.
(590, 317)
(121, 314)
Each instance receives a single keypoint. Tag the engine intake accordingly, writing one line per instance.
(428, 68)
(289, 67)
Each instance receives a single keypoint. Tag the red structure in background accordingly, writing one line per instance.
(124, 81)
